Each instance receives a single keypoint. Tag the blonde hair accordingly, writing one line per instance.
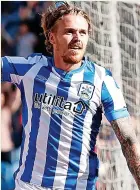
(52, 15)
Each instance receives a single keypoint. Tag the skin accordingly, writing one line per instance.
(71, 31)
(125, 132)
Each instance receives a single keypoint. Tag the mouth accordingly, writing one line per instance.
(75, 48)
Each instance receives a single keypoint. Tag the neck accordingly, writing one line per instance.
(60, 64)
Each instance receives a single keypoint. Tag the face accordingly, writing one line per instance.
(70, 38)
(23, 29)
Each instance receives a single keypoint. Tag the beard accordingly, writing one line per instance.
(73, 56)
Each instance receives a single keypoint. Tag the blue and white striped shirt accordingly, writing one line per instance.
(61, 113)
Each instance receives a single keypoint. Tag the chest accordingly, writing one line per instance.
(62, 96)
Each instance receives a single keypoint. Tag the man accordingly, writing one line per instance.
(62, 98)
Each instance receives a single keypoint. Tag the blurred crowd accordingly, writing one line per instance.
(22, 35)
(11, 130)
(21, 31)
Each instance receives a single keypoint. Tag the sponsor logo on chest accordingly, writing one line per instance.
(58, 103)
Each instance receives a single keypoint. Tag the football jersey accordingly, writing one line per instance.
(61, 113)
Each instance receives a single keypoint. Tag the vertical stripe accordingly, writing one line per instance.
(96, 121)
(53, 139)
(77, 139)
(84, 159)
(24, 122)
(91, 182)
(42, 137)
(93, 173)
(21, 154)
(39, 87)
(66, 135)
(28, 82)
(87, 130)
(93, 160)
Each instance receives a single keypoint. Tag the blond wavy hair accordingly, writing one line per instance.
(53, 14)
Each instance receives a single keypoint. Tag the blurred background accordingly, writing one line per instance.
(114, 43)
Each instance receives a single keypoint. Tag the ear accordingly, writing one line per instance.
(52, 38)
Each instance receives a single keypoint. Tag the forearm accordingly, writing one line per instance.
(133, 160)
(130, 145)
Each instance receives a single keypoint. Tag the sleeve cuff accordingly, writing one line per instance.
(113, 115)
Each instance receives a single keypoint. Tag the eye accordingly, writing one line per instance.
(69, 31)
(83, 32)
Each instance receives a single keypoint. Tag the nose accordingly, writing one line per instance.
(76, 36)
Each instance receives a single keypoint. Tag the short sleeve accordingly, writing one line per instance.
(112, 99)
(14, 68)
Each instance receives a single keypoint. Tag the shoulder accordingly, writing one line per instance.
(38, 58)
(97, 69)
(29, 60)
(34, 58)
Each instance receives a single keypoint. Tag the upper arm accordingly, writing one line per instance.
(112, 99)
(14, 68)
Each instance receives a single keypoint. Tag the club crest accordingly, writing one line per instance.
(86, 91)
